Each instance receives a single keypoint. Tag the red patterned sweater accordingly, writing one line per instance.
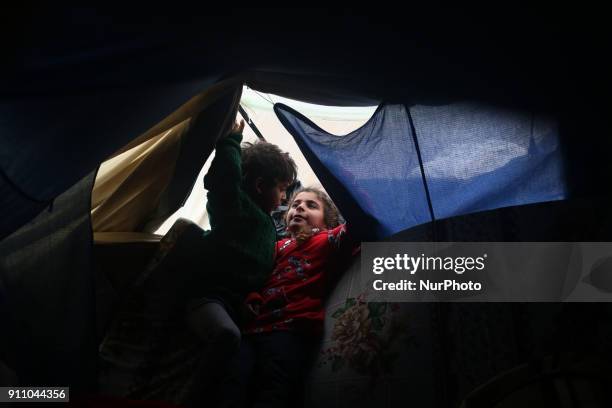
(293, 296)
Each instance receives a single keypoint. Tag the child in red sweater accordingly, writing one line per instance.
(288, 310)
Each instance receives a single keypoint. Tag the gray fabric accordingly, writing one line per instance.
(213, 324)
(48, 316)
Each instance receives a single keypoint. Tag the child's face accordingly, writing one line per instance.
(272, 196)
(306, 210)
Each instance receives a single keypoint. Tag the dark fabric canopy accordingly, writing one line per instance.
(84, 82)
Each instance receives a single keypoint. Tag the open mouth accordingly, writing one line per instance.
(297, 218)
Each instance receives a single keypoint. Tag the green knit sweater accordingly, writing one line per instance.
(239, 248)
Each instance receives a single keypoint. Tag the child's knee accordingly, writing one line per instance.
(214, 326)
(226, 337)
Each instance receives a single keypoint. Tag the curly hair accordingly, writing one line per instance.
(331, 215)
(266, 160)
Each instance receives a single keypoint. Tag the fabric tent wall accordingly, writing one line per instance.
(128, 186)
(47, 284)
(48, 317)
(73, 64)
(67, 135)
(318, 89)
(517, 333)
(152, 175)
(409, 166)
(207, 127)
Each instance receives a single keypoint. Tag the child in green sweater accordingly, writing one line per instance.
(244, 186)
(201, 278)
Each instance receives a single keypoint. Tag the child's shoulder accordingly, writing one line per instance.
(319, 238)
(283, 244)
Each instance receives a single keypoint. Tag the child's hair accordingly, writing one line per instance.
(331, 215)
(266, 160)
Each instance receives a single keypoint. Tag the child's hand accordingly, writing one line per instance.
(237, 128)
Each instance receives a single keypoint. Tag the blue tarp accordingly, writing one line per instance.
(472, 158)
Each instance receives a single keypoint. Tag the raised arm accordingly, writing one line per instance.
(225, 174)
(225, 170)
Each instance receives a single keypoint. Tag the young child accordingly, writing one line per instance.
(289, 313)
(205, 276)
(238, 253)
